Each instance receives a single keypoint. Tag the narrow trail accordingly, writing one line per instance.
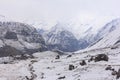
(31, 69)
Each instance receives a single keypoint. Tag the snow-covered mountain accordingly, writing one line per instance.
(63, 38)
(15, 36)
(60, 38)
(87, 38)
(109, 35)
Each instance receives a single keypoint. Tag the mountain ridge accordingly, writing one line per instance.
(21, 37)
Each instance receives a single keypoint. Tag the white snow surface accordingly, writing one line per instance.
(45, 67)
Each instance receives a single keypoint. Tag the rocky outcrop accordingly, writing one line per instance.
(11, 35)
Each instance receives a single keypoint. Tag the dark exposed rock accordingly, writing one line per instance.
(71, 67)
(22, 57)
(101, 57)
(8, 51)
(33, 61)
(36, 38)
(62, 77)
(69, 56)
(82, 63)
(117, 42)
(11, 35)
(108, 67)
(113, 69)
(57, 57)
(25, 33)
(114, 73)
(91, 59)
(118, 74)
(114, 47)
(5, 62)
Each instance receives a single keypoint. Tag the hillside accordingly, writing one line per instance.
(109, 35)
(16, 38)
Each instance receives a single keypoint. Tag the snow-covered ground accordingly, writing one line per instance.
(45, 67)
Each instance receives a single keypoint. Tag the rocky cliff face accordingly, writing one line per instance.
(21, 37)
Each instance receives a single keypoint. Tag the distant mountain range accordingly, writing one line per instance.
(59, 37)
(23, 38)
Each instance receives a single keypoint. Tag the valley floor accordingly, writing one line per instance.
(46, 67)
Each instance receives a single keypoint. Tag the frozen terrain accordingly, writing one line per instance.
(45, 67)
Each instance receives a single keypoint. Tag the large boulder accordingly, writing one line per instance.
(101, 57)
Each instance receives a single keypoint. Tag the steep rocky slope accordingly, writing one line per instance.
(21, 37)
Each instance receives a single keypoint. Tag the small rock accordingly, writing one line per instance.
(57, 57)
(83, 63)
(62, 77)
(108, 67)
(91, 59)
(118, 74)
(71, 67)
(114, 73)
(69, 56)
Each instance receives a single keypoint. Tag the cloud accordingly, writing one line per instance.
(61, 10)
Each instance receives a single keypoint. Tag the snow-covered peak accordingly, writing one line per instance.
(58, 28)
(60, 38)
(111, 26)
(109, 35)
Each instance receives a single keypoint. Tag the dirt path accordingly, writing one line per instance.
(31, 69)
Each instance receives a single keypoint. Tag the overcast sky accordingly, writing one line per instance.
(60, 10)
